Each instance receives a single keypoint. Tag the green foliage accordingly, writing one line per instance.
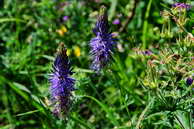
(137, 90)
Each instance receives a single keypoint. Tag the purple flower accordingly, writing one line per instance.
(189, 81)
(147, 52)
(102, 45)
(65, 18)
(182, 6)
(61, 83)
(116, 22)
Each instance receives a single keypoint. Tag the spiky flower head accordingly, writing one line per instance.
(61, 83)
(102, 45)
(181, 6)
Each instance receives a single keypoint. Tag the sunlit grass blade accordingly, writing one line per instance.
(2, 20)
(27, 113)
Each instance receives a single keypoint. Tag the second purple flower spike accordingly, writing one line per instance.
(61, 83)
(102, 45)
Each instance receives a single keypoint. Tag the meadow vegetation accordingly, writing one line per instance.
(143, 80)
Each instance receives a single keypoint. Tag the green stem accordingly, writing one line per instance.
(145, 25)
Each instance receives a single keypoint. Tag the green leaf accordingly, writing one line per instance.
(21, 87)
(183, 119)
(2, 20)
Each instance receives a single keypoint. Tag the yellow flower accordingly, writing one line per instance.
(62, 30)
(77, 51)
(68, 52)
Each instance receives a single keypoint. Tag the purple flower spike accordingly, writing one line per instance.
(116, 22)
(65, 18)
(189, 81)
(182, 6)
(61, 83)
(102, 45)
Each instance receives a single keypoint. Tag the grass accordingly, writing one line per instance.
(136, 90)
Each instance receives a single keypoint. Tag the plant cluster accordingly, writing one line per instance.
(123, 65)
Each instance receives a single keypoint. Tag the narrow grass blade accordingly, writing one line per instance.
(2, 20)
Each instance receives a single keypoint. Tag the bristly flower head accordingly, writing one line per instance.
(61, 83)
(181, 6)
(102, 45)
